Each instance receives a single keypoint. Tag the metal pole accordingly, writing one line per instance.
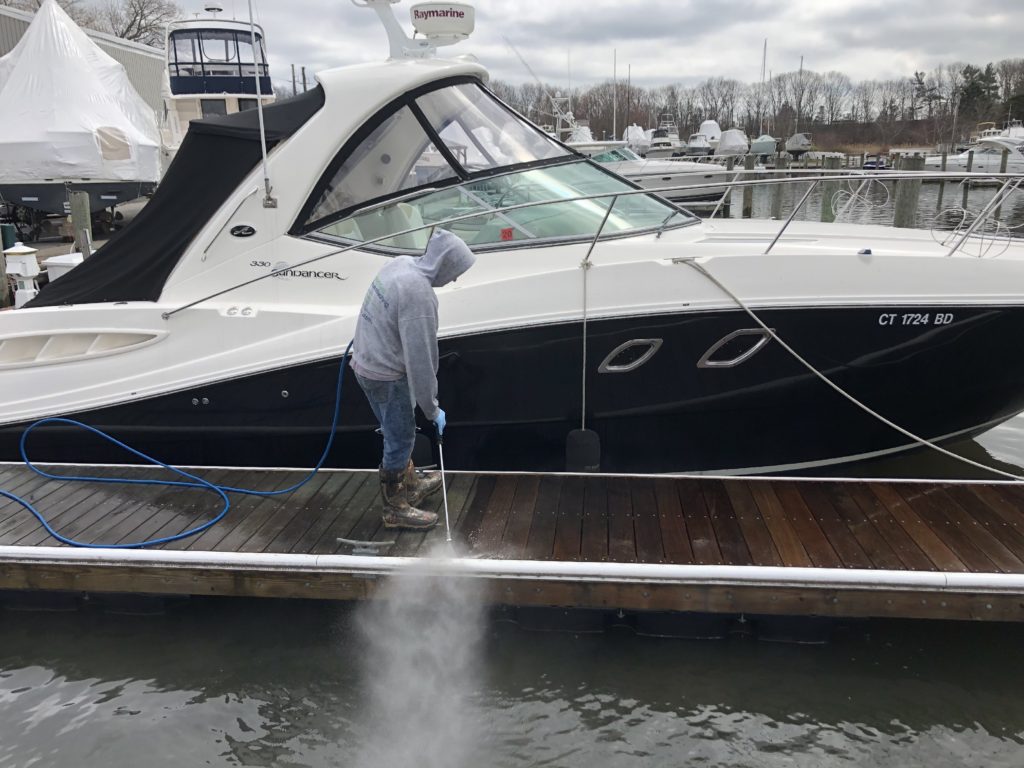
(303, 78)
(585, 266)
(257, 57)
(295, 87)
(791, 216)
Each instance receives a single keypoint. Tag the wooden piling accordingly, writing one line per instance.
(966, 182)
(781, 163)
(998, 213)
(748, 192)
(907, 194)
(81, 222)
(942, 183)
(828, 191)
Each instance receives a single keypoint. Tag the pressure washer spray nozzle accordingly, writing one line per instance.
(444, 491)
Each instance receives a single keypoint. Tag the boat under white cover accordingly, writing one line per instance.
(70, 114)
(212, 335)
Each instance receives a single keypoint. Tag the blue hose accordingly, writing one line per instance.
(192, 481)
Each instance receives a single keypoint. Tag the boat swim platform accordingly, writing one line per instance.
(752, 546)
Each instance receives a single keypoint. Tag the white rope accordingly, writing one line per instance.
(839, 390)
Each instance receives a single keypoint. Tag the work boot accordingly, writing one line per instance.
(398, 513)
(420, 483)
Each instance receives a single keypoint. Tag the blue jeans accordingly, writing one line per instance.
(391, 402)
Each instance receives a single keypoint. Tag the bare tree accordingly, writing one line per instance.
(835, 91)
(143, 21)
(78, 10)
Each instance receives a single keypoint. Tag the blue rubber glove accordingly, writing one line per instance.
(439, 422)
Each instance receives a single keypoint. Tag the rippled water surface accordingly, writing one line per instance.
(221, 683)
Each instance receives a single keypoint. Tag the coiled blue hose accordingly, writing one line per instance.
(192, 481)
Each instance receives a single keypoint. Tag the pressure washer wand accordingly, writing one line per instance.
(444, 490)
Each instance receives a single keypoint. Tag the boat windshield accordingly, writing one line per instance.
(554, 218)
(468, 155)
(617, 155)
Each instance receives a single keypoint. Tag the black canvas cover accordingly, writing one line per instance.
(215, 157)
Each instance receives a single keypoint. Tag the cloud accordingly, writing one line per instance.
(667, 41)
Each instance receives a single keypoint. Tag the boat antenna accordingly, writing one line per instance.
(761, 99)
(269, 201)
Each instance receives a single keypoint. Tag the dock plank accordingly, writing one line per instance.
(287, 507)
(332, 510)
(814, 541)
(569, 524)
(486, 538)
(697, 517)
(646, 524)
(477, 510)
(755, 531)
(849, 549)
(728, 534)
(621, 536)
(517, 532)
(910, 554)
(672, 523)
(943, 558)
(594, 546)
(976, 531)
(787, 541)
(540, 542)
(920, 498)
(867, 535)
(1003, 514)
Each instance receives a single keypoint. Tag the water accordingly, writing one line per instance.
(428, 679)
(873, 204)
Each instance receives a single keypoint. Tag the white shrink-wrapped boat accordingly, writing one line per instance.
(71, 120)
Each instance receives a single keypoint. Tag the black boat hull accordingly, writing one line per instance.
(513, 396)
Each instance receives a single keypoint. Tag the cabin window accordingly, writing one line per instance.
(214, 107)
(471, 122)
(397, 156)
(244, 105)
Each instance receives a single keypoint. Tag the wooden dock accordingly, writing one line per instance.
(726, 546)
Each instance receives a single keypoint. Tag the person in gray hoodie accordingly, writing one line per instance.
(395, 361)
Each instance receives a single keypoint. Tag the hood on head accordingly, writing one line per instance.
(446, 257)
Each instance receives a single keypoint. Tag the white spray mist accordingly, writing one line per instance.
(421, 667)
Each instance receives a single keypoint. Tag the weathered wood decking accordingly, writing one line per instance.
(733, 526)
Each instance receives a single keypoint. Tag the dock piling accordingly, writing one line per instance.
(828, 191)
(81, 222)
(781, 163)
(748, 192)
(907, 193)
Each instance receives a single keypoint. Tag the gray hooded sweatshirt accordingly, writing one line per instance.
(396, 334)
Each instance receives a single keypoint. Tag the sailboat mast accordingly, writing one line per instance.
(760, 105)
(615, 95)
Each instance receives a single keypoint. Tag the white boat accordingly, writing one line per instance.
(987, 157)
(211, 332)
(764, 145)
(636, 139)
(798, 144)
(213, 69)
(732, 142)
(698, 145)
(676, 175)
(665, 139)
(71, 121)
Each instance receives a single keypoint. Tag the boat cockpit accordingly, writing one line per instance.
(455, 151)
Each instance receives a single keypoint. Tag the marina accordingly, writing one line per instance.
(717, 453)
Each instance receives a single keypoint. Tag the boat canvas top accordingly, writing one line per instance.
(70, 111)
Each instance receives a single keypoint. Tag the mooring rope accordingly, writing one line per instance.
(835, 387)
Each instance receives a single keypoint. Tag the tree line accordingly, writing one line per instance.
(939, 107)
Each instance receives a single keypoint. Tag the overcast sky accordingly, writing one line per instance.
(665, 41)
